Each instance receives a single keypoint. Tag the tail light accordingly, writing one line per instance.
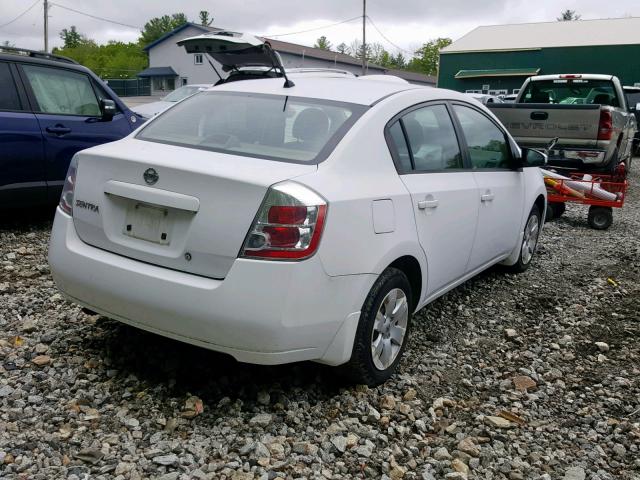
(66, 199)
(605, 128)
(288, 225)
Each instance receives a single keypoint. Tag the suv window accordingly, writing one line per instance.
(8, 93)
(488, 147)
(62, 91)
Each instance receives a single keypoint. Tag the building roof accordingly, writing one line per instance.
(524, 36)
(158, 72)
(178, 30)
(410, 76)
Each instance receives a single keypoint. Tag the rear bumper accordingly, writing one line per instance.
(263, 312)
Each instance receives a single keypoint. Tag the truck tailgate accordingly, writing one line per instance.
(535, 124)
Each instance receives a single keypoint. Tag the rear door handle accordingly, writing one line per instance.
(487, 197)
(424, 204)
(58, 130)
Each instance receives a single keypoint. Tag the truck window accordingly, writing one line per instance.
(576, 91)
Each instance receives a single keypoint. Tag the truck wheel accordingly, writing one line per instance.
(554, 210)
(383, 330)
(529, 242)
(600, 218)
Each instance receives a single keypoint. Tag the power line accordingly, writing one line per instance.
(21, 15)
(386, 38)
(95, 16)
(316, 28)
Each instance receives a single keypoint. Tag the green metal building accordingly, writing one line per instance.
(497, 59)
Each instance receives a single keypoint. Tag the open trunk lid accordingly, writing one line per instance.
(231, 49)
(176, 207)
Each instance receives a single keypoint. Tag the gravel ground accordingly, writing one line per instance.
(535, 376)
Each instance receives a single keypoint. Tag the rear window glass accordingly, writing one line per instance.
(571, 92)
(633, 98)
(273, 127)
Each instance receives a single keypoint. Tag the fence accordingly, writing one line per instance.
(133, 87)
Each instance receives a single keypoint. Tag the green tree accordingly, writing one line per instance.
(158, 26)
(111, 60)
(399, 61)
(71, 37)
(205, 18)
(569, 16)
(427, 59)
(322, 43)
(343, 48)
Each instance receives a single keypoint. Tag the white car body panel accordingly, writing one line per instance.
(265, 311)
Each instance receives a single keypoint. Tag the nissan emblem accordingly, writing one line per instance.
(150, 176)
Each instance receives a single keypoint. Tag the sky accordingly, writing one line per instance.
(402, 25)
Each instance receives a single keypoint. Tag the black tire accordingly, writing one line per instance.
(361, 368)
(524, 262)
(600, 218)
(554, 210)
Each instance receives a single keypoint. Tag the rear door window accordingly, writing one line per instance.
(62, 91)
(576, 91)
(9, 99)
(272, 127)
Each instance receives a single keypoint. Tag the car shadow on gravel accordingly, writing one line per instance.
(26, 219)
(175, 369)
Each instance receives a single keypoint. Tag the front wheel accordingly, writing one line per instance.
(529, 241)
(383, 330)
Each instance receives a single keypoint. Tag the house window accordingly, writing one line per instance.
(184, 81)
(197, 59)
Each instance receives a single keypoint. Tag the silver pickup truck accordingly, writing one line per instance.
(587, 113)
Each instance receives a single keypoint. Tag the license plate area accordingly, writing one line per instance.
(148, 222)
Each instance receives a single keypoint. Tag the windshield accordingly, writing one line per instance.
(275, 127)
(571, 92)
(180, 93)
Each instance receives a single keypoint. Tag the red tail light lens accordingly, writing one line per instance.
(66, 198)
(605, 128)
(289, 224)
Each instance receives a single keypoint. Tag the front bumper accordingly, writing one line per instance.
(263, 312)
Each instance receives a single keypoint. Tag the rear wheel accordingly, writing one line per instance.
(529, 241)
(383, 330)
(600, 218)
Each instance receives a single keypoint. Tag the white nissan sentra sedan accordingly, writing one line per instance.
(304, 223)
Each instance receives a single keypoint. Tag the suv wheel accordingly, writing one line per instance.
(383, 330)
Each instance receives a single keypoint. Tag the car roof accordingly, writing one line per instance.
(50, 62)
(359, 90)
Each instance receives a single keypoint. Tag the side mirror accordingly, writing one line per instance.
(533, 158)
(108, 108)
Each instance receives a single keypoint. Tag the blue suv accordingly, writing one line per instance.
(50, 108)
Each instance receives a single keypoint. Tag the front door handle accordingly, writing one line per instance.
(487, 197)
(424, 204)
(58, 129)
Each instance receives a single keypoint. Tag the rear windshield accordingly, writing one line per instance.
(273, 127)
(571, 92)
(633, 98)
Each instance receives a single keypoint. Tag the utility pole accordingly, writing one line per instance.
(364, 36)
(46, 26)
